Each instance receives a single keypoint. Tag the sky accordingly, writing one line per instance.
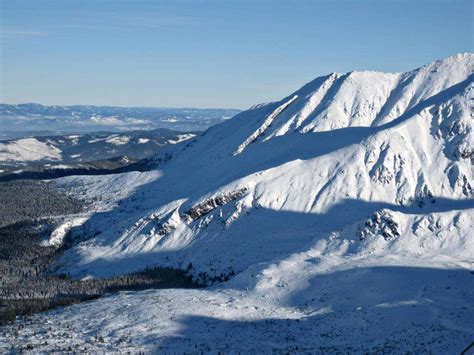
(225, 54)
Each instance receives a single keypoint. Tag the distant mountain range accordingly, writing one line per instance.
(17, 121)
(79, 154)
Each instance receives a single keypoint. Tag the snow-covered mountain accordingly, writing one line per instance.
(342, 150)
(346, 203)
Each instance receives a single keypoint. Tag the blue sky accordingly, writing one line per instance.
(212, 53)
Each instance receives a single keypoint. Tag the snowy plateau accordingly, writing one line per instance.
(337, 220)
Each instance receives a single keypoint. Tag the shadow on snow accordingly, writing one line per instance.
(395, 309)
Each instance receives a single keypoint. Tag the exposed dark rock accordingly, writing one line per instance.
(203, 208)
(381, 223)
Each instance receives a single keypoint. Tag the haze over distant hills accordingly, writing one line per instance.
(30, 119)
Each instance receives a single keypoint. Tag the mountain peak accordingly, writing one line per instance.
(321, 162)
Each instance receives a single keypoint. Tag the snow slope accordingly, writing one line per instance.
(345, 210)
(334, 154)
(28, 149)
(389, 309)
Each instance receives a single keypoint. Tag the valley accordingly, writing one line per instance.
(35, 210)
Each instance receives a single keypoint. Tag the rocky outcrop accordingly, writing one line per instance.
(205, 207)
(268, 121)
(381, 223)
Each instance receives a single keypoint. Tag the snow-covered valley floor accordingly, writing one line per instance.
(301, 305)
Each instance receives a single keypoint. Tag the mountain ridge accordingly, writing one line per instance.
(403, 160)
